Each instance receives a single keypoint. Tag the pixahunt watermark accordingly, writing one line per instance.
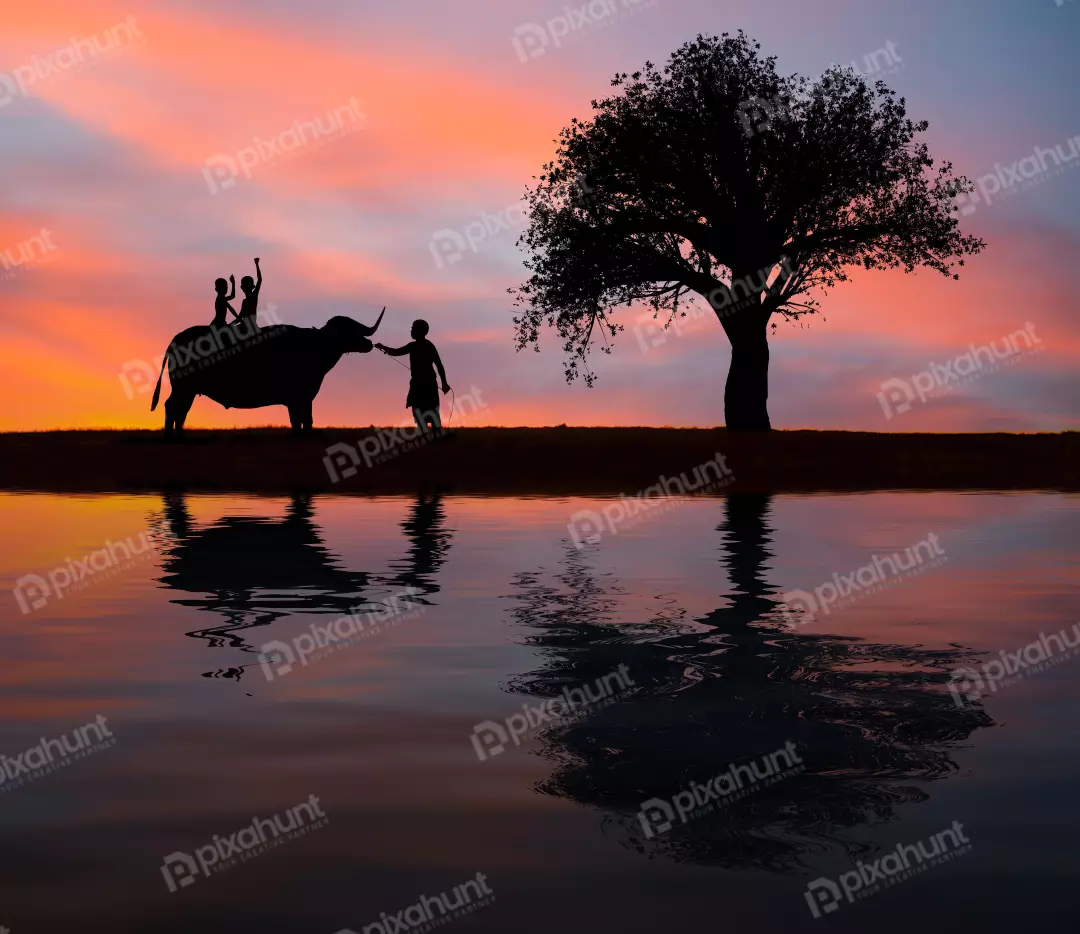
(587, 526)
(1024, 174)
(968, 685)
(824, 895)
(222, 170)
(50, 755)
(760, 114)
(217, 344)
(27, 254)
(650, 332)
(77, 54)
(897, 395)
(877, 64)
(877, 574)
(420, 916)
(449, 245)
(342, 460)
(489, 738)
(533, 39)
(262, 834)
(737, 781)
(279, 658)
(33, 591)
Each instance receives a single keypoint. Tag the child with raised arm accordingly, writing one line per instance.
(221, 303)
(424, 360)
(249, 307)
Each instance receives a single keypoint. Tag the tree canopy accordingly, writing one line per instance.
(717, 177)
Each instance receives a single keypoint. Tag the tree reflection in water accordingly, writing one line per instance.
(871, 721)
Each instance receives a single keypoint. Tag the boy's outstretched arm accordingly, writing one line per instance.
(232, 294)
(394, 351)
(258, 276)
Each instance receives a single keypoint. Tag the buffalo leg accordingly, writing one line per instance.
(177, 407)
(300, 416)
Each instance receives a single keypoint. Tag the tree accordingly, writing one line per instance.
(717, 178)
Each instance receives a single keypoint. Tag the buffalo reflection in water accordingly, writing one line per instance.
(253, 570)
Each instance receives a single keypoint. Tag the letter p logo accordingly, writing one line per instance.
(8, 90)
(585, 527)
(756, 114)
(32, 591)
(895, 397)
(447, 247)
(798, 600)
(966, 686)
(489, 739)
(276, 653)
(179, 871)
(220, 173)
(966, 204)
(823, 896)
(655, 817)
(136, 376)
(529, 40)
(341, 460)
(649, 332)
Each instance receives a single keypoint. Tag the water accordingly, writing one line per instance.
(467, 609)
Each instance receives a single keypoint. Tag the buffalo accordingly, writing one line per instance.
(244, 367)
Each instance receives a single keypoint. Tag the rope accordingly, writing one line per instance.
(453, 396)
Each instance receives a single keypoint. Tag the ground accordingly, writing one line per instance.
(533, 461)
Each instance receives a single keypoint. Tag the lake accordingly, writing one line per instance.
(745, 712)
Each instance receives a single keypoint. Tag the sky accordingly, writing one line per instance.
(170, 155)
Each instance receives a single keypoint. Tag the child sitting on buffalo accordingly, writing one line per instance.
(221, 303)
(250, 306)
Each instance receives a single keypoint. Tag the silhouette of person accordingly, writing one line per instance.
(429, 541)
(423, 396)
(250, 305)
(221, 303)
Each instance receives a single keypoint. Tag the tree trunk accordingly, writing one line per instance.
(746, 393)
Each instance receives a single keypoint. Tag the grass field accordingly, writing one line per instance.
(532, 460)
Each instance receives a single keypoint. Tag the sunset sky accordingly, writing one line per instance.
(460, 105)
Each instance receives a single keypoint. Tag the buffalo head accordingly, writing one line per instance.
(351, 336)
